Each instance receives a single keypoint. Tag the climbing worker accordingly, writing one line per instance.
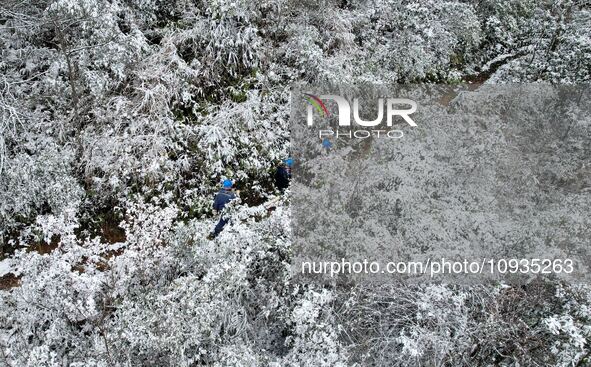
(223, 197)
(283, 174)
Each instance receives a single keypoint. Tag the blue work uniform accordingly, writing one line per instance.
(282, 177)
(222, 198)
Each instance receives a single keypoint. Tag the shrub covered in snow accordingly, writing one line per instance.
(119, 119)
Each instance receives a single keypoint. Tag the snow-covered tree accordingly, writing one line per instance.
(119, 119)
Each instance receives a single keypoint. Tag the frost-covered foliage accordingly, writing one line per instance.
(119, 118)
(477, 326)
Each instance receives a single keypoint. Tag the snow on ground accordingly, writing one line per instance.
(5, 267)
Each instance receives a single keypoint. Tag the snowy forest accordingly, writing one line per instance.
(119, 119)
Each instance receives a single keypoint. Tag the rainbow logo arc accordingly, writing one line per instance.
(318, 104)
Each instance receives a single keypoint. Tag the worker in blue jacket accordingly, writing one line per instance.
(283, 174)
(223, 197)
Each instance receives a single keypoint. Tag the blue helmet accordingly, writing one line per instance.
(289, 162)
(227, 184)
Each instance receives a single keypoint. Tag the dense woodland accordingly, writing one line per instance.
(120, 118)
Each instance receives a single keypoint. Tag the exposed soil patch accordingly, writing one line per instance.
(43, 247)
(112, 233)
(9, 281)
